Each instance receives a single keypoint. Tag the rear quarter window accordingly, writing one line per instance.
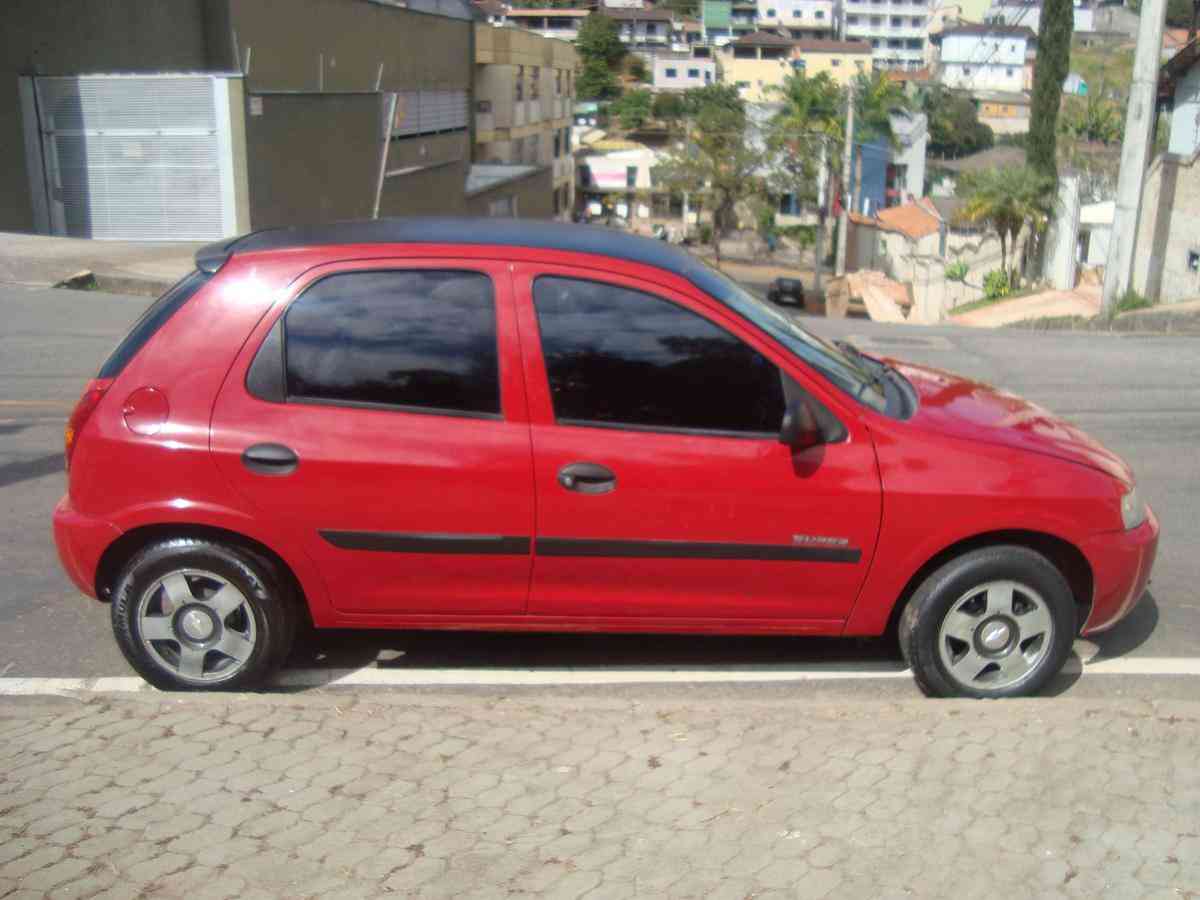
(151, 321)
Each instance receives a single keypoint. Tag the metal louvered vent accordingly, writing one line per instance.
(428, 112)
(136, 158)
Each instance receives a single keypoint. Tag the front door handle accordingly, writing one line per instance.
(587, 478)
(270, 459)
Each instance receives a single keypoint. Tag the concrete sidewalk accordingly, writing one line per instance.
(128, 267)
(1084, 301)
(481, 794)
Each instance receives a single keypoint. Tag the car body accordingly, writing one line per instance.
(485, 424)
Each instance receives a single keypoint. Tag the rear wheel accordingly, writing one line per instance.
(995, 622)
(197, 615)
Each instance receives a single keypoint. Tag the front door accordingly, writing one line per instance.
(663, 491)
(380, 422)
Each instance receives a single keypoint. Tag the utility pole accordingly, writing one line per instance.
(839, 268)
(1135, 153)
(822, 195)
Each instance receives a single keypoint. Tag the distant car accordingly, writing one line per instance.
(506, 425)
(786, 290)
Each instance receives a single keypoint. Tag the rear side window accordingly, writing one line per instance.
(151, 320)
(420, 340)
(620, 357)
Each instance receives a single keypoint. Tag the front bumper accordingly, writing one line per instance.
(1121, 562)
(81, 541)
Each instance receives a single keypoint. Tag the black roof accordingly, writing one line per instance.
(499, 232)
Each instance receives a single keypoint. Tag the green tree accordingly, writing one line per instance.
(876, 99)
(684, 7)
(633, 109)
(1051, 69)
(954, 126)
(668, 107)
(1179, 13)
(724, 96)
(1007, 201)
(807, 123)
(599, 38)
(713, 159)
(596, 81)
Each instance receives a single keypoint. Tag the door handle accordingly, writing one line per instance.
(587, 478)
(270, 459)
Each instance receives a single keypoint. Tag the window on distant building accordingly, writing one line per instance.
(851, 20)
(1008, 73)
(820, 14)
(672, 73)
(535, 84)
(631, 176)
(835, 62)
(693, 73)
(520, 83)
(557, 145)
(708, 77)
(876, 21)
(651, 28)
(967, 71)
(897, 21)
(917, 21)
(558, 82)
(770, 14)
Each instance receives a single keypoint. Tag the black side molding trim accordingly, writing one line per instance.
(391, 542)
(694, 550)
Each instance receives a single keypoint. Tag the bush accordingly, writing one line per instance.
(668, 107)
(705, 233)
(957, 271)
(1129, 301)
(996, 284)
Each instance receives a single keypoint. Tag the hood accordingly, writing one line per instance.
(960, 407)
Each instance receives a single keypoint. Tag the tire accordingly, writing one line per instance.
(995, 622)
(196, 615)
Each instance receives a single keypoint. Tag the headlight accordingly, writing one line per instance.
(1133, 510)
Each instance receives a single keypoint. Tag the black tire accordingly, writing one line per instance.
(267, 600)
(922, 619)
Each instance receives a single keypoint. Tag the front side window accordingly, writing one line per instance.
(620, 357)
(421, 340)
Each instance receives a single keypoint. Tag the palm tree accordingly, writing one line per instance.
(803, 135)
(1007, 201)
(876, 99)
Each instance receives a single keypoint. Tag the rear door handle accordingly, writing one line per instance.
(270, 459)
(587, 478)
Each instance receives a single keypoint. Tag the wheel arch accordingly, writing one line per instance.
(123, 549)
(1062, 554)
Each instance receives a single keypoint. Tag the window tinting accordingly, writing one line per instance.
(616, 356)
(424, 339)
(154, 318)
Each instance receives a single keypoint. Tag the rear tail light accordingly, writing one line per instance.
(83, 410)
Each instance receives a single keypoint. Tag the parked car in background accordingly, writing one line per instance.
(460, 424)
(786, 290)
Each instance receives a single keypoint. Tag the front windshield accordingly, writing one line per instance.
(843, 371)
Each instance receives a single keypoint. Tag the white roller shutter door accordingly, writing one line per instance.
(137, 157)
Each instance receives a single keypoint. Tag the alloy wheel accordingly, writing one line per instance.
(197, 626)
(995, 636)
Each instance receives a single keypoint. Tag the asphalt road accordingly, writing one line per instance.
(1139, 395)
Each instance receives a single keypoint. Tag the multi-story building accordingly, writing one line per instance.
(649, 31)
(552, 23)
(798, 18)
(524, 105)
(1028, 13)
(756, 63)
(221, 121)
(840, 60)
(681, 72)
(984, 57)
(895, 29)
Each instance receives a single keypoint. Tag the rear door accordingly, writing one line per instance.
(663, 491)
(380, 418)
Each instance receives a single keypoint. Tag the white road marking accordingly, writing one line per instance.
(600, 675)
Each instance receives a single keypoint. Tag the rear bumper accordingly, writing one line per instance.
(81, 541)
(1121, 564)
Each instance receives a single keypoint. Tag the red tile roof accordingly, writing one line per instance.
(913, 220)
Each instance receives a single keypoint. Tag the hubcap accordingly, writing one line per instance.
(197, 626)
(995, 636)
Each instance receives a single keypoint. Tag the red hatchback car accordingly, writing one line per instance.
(506, 425)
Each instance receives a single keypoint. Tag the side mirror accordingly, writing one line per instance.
(800, 428)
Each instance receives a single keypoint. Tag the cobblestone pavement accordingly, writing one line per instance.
(465, 794)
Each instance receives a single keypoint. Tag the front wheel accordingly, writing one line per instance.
(995, 622)
(196, 615)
